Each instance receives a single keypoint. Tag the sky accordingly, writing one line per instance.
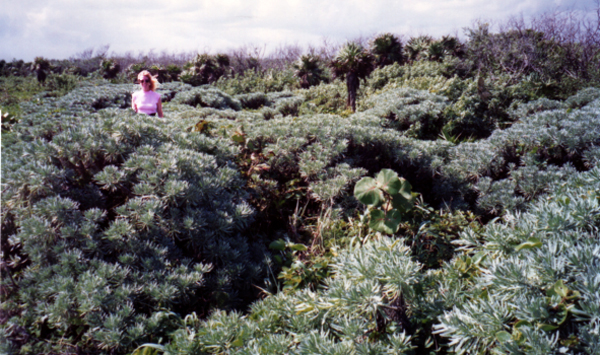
(60, 29)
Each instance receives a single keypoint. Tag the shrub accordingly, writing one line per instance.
(325, 98)
(109, 68)
(418, 113)
(362, 298)
(253, 101)
(207, 97)
(126, 222)
(380, 77)
(535, 148)
(253, 80)
(526, 109)
(205, 69)
(62, 83)
(40, 66)
(537, 294)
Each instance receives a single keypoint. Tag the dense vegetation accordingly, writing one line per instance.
(442, 198)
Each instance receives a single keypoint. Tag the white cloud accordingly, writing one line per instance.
(61, 28)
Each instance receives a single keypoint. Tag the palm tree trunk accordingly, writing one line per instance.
(352, 84)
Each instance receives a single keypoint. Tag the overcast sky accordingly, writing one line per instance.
(59, 29)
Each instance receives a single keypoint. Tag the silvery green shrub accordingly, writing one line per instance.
(120, 220)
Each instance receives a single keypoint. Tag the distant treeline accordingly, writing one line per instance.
(556, 51)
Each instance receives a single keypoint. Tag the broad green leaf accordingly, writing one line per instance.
(563, 313)
(547, 327)
(529, 244)
(385, 222)
(238, 137)
(405, 189)
(522, 323)
(479, 257)
(278, 244)
(503, 336)
(574, 295)
(239, 341)
(148, 349)
(401, 203)
(367, 192)
(298, 247)
(388, 181)
(559, 289)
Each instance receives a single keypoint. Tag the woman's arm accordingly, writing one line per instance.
(159, 108)
(133, 105)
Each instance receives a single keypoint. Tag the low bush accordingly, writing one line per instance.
(417, 113)
(207, 97)
(254, 80)
(253, 101)
(115, 223)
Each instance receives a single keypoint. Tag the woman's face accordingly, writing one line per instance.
(145, 83)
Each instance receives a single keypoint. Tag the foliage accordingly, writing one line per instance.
(14, 68)
(62, 83)
(8, 120)
(229, 226)
(557, 54)
(417, 48)
(253, 80)
(325, 98)
(387, 49)
(538, 278)
(298, 272)
(352, 63)
(109, 68)
(418, 113)
(40, 66)
(205, 69)
(389, 196)
(144, 220)
(134, 69)
(349, 315)
(307, 68)
(16, 89)
(207, 97)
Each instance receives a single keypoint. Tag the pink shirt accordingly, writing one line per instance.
(146, 101)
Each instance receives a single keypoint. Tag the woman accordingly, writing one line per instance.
(147, 100)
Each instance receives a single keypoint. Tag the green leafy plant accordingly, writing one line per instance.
(388, 197)
(298, 269)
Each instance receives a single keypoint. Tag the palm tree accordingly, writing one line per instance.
(452, 46)
(387, 49)
(435, 52)
(417, 47)
(40, 66)
(307, 68)
(353, 63)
